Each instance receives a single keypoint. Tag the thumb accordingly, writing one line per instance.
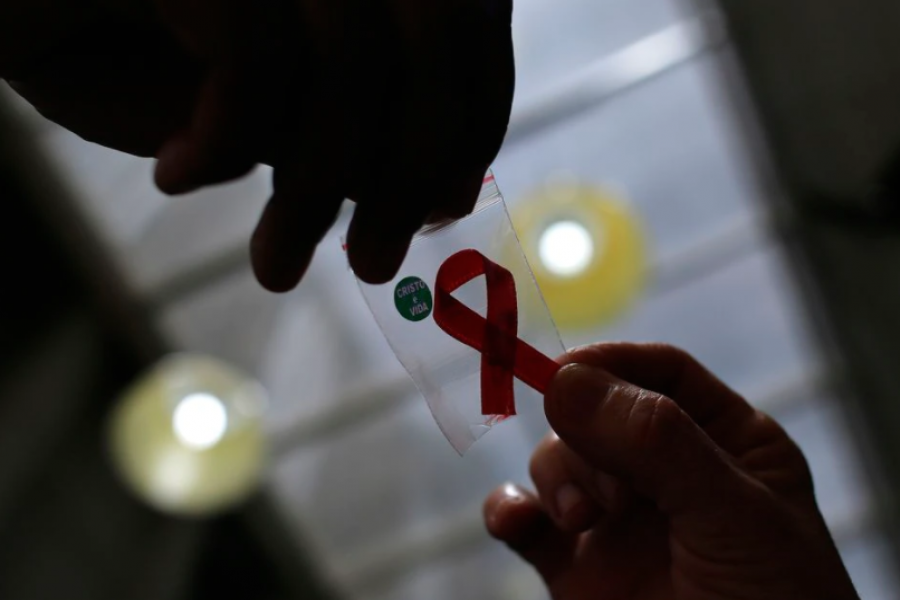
(516, 517)
(642, 437)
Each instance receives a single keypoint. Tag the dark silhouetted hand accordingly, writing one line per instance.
(663, 484)
(399, 105)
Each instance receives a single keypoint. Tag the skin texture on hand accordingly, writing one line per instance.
(660, 483)
(398, 105)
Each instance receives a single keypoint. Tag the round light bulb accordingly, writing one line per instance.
(200, 421)
(587, 252)
(187, 437)
(566, 248)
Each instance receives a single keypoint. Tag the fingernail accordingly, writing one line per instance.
(172, 169)
(607, 489)
(568, 498)
(460, 197)
(577, 390)
(510, 495)
(377, 262)
(284, 277)
(512, 492)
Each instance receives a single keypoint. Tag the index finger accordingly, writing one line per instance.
(453, 114)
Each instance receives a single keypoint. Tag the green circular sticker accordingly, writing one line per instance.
(413, 299)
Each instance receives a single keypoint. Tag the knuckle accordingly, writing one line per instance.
(677, 354)
(772, 457)
(768, 427)
(771, 431)
(672, 350)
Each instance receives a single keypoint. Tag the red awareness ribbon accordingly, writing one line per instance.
(503, 354)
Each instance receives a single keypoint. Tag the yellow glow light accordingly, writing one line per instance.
(587, 251)
(187, 437)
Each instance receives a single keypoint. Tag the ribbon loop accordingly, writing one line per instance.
(503, 354)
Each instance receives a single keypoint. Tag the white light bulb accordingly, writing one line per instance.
(200, 421)
(566, 248)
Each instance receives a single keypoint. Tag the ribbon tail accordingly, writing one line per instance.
(535, 368)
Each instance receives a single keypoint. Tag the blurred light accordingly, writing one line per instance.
(187, 437)
(566, 248)
(586, 250)
(200, 421)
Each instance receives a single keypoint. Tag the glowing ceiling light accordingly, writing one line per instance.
(566, 248)
(187, 436)
(200, 421)
(586, 248)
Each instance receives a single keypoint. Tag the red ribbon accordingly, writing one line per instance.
(503, 354)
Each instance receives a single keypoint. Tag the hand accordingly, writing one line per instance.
(399, 105)
(664, 484)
